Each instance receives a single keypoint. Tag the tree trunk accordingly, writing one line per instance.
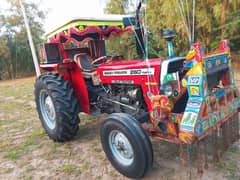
(13, 62)
(223, 18)
(129, 55)
(8, 68)
(9, 73)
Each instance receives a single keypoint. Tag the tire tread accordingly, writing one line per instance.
(66, 106)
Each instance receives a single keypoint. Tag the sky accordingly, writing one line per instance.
(59, 11)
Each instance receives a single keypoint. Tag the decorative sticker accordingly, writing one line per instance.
(194, 91)
(209, 64)
(189, 119)
(184, 82)
(194, 80)
(199, 129)
(218, 62)
(194, 103)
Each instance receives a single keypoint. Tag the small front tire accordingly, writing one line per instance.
(126, 145)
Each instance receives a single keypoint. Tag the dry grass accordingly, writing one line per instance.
(26, 152)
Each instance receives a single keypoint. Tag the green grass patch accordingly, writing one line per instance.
(68, 168)
(12, 155)
(36, 135)
(87, 117)
(6, 121)
(8, 170)
(229, 165)
(85, 165)
(234, 149)
(10, 107)
(53, 150)
(29, 168)
(4, 144)
(21, 92)
(31, 142)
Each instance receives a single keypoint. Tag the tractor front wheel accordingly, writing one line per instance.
(57, 107)
(126, 145)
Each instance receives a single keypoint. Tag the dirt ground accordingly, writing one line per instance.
(26, 152)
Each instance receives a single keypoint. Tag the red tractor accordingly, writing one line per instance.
(176, 99)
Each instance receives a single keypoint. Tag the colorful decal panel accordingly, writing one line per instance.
(216, 63)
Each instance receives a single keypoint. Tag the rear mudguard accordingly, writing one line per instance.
(72, 73)
(80, 88)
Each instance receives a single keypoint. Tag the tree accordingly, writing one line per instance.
(14, 31)
(117, 7)
(120, 45)
(4, 55)
(227, 15)
(214, 20)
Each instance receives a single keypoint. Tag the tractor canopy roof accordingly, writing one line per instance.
(81, 30)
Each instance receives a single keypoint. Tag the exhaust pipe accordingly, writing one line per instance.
(168, 35)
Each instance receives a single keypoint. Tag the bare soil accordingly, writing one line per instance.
(26, 152)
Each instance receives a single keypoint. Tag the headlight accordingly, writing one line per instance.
(168, 90)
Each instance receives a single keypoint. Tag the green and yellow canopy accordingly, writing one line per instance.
(80, 30)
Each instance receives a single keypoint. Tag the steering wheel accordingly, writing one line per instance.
(100, 60)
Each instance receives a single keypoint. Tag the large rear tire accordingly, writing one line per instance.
(126, 145)
(57, 107)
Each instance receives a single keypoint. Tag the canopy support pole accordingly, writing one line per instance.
(30, 39)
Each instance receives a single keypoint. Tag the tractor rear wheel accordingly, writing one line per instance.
(126, 145)
(57, 107)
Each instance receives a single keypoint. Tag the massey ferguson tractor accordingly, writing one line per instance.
(183, 100)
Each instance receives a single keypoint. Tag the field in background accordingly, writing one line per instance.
(26, 152)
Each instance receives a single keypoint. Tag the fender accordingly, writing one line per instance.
(72, 73)
(80, 88)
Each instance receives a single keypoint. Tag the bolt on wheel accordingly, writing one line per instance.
(121, 147)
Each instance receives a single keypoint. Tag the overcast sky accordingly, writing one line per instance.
(61, 11)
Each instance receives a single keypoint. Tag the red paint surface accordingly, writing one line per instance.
(140, 80)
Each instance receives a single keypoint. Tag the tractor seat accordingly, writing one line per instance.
(84, 61)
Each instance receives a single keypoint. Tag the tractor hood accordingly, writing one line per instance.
(129, 70)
